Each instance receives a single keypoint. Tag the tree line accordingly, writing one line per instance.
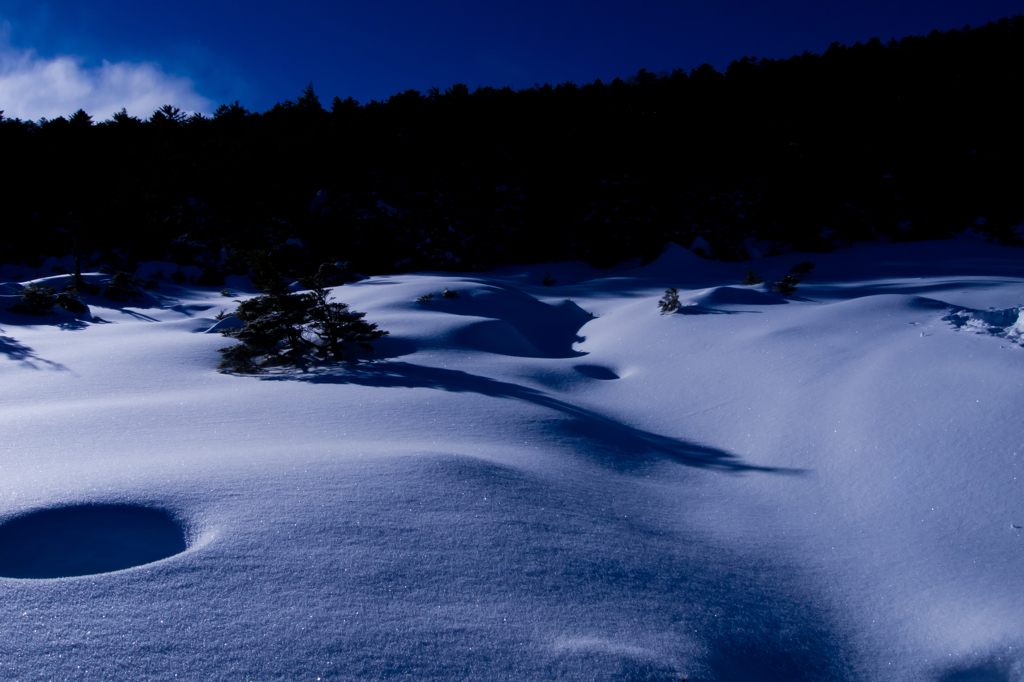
(918, 138)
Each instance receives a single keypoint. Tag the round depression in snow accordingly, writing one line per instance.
(596, 372)
(87, 539)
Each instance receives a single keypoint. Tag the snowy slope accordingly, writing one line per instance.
(538, 482)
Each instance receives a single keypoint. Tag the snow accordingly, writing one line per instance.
(535, 482)
(229, 322)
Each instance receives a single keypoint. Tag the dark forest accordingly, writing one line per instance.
(913, 139)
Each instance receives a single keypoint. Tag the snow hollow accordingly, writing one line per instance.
(543, 478)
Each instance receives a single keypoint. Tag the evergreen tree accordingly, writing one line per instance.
(36, 300)
(122, 118)
(168, 115)
(80, 119)
(233, 112)
(343, 107)
(309, 100)
(752, 278)
(787, 285)
(333, 324)
(283, 328)
(669, 303)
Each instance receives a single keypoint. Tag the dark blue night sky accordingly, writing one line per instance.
(263, 52)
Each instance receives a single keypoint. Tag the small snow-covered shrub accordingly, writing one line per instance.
(787, 285)
(333, 274)
(449, 293)
(121, 287)
(36, 300)
(548, 282)
(69, 301)
(425, 298)
(752, 277)
(669, 303)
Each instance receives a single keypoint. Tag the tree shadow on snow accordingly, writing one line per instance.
(704, 310)
(995, 669)
(19, 352)
(618, 444)
(190, 310)
(900, 286)
(137, 315)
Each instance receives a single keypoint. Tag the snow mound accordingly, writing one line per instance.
(87, 539)
(512, 322)
(759, 294)
(675, 261)
(1007, 323)
(710, 300)
(229, 322)
(494, 336)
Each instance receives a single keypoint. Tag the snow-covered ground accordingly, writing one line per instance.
(752, 488)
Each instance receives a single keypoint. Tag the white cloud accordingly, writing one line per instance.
(32, 87)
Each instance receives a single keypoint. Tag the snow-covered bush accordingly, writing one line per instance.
(787, 285)
(669, 303)
(36, 300)
(283, 328)
(122, 286)
(69, 301)
(334, 274)
(752, 277)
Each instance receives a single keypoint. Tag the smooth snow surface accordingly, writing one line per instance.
(532, 482)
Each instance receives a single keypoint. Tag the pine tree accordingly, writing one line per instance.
(283, 328)
(122, 118)
(669, 303)
(333, 324)
(309, 99)
(231, 112)
(787, 285)
(80, 119)
(168, 115)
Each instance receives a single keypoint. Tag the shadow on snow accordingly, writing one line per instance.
(19, 352)
(606, 436)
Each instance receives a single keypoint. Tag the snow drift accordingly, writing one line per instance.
(535, 482)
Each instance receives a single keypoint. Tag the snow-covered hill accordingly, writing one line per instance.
(532, 482)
